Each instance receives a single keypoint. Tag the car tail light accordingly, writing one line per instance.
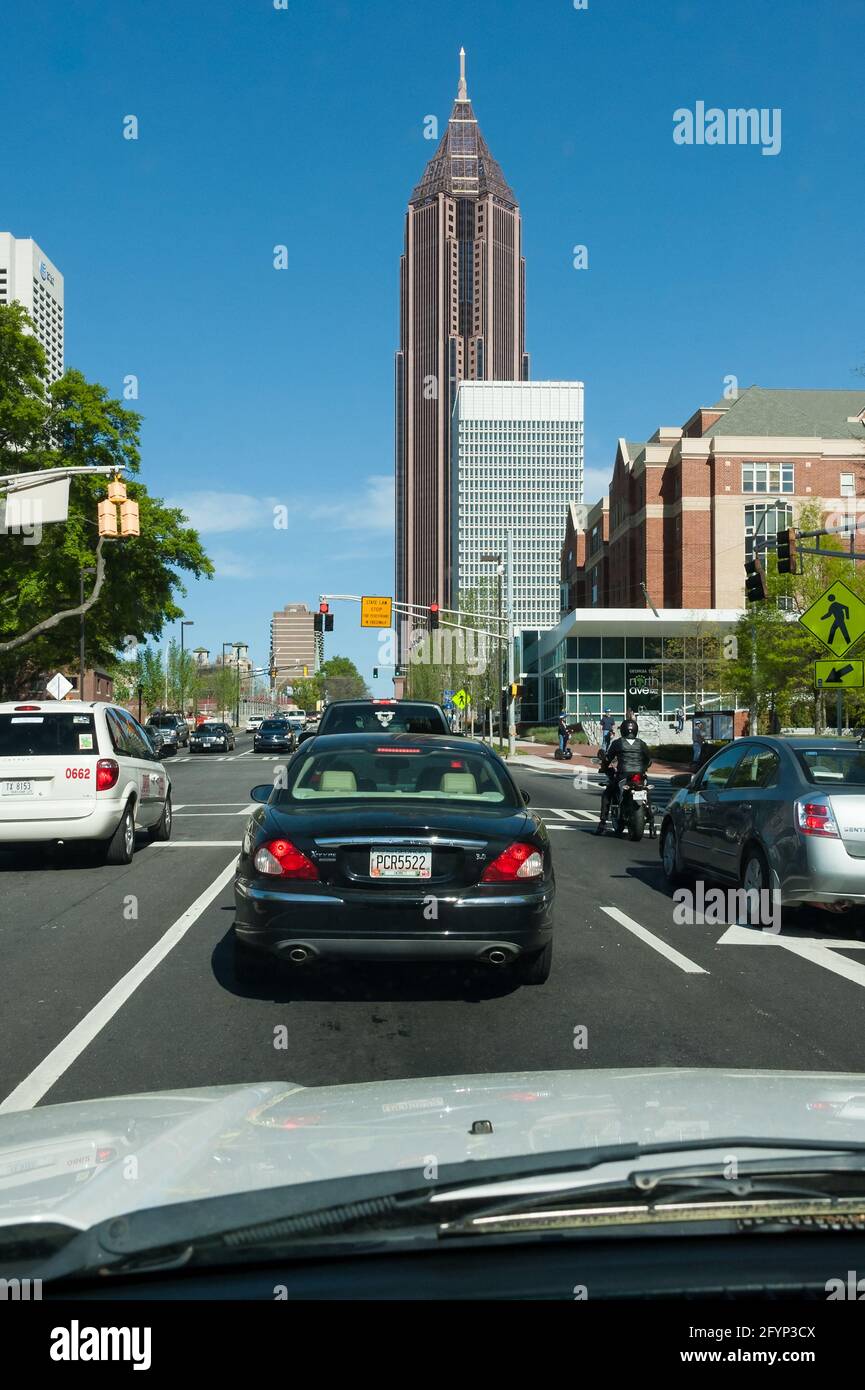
(107, 773)
(518, 861)
(816, 818)
(27, 707)
(397, 750)
(384, 702)
(636, 778)
(282, 859)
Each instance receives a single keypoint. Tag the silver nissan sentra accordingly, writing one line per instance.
(784, 814)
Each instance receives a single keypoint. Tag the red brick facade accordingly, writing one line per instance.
(682, 505)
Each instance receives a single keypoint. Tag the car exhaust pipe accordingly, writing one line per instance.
(497, 957)
(298, 954)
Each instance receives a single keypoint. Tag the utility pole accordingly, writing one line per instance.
(512, 731)
(82, 652)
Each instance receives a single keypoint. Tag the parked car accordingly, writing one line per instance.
(80, 771)
(211, 738)
(340, 862)
(274, 736)
(381, 716)
(774, 813)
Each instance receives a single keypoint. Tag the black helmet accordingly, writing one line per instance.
(629, 728)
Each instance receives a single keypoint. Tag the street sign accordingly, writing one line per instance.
(837, 619)
(836, 674)
(461, 699)
(59, 687)
(376, 611)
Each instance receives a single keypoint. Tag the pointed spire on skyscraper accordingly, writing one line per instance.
(462, 94)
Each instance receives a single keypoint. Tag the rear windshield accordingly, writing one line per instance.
(832, 767)
(389, 773)
(51, 735)
(163, 721)
(400, 718)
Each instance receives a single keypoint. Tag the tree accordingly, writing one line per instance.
(73, 422)
(341, 680)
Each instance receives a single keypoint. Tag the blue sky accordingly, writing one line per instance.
(304, 127)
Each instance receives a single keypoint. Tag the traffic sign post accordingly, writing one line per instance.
(837, 619)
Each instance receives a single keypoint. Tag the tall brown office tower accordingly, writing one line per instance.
(462, 316)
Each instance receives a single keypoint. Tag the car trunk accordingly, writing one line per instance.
(37, 788)
(849, 812)
(459, 846)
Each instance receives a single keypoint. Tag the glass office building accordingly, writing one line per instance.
(618, 659)
(517, 463)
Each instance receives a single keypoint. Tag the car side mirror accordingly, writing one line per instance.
(526, 798)
(262, 793)
(682, 779)
(301, 738)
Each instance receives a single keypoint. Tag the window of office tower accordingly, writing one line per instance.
(466, 240)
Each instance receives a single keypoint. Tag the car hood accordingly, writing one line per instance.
(72, 1162)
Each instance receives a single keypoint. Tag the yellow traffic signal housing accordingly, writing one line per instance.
(129, 523)
(116, 490)
(107, 512)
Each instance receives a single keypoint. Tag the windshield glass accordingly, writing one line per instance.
(401, 717)
(54, 735)
(833, 766)
(164, 721)
(210, 729)
(274, 726)
(391, 772)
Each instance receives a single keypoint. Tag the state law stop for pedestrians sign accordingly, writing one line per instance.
(837, 619)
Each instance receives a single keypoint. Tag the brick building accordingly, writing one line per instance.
(684, 506)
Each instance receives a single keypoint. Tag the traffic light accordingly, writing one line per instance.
(322, 622)
(375, 673)
(788, 561)
(433, 617)
(755, 581)
(516, 690)
(107, 513)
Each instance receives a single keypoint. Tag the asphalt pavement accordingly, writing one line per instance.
(118, 980)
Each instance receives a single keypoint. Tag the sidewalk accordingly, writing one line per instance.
(542, 757)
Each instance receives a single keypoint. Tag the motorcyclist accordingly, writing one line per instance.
(564, 732)
(630, 754)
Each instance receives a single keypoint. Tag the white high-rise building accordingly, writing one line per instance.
(517, 463)
(27, 275)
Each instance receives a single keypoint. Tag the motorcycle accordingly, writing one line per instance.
(631, 808)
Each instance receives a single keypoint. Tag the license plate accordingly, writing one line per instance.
(388, 863)
(640, 796)
(23, 787)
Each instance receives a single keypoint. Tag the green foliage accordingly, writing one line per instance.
(73, 422)
(340, 679)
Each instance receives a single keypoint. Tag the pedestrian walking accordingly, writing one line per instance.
(608, 726)
(680, 719)
(699, 741)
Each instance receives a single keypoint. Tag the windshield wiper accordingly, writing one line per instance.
(668, 1187)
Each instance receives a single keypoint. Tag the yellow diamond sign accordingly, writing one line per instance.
(460, 698)
(837, 619)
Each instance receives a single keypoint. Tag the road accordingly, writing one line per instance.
(117, 980)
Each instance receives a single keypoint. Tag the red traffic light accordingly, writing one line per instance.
(324, 608)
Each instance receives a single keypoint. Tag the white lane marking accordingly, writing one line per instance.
(187, 804)
(31, 1090)
(814, 949)
(690, 967)
(565, 815)
(197, 815)
(245, 754)
(195, 844)
(247, 809)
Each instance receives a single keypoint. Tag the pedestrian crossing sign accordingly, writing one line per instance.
(837, 619)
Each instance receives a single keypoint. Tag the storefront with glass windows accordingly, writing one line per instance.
(618, 659)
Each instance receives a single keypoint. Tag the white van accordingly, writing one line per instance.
(83, 771)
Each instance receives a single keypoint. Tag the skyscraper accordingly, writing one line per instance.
(517, 464)
(27, 275)
(462, 317)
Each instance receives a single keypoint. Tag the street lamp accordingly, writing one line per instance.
(238, 647)
(496, 560)
(81, 652)
(187, 622)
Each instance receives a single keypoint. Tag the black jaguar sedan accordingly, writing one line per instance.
(395, 847)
